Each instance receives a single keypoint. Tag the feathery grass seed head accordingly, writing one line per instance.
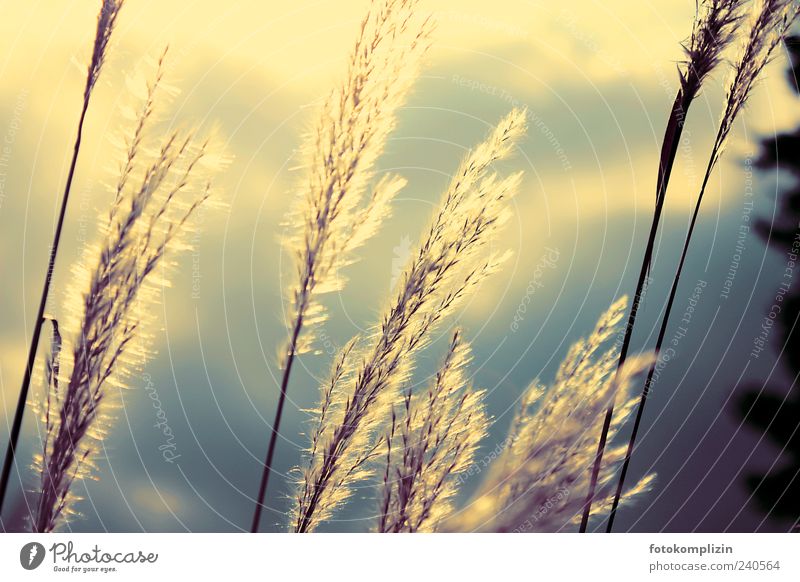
(110, 304)
(714, 27)
(769, 23)
(332, 218)
(431, 440)
(540, 479)
(446, 267)
(106, 19)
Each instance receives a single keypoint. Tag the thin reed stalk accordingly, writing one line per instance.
(106, 19)
(365, 382)
(769, 24)
(714, 26)
(110, 303)
(349, 136)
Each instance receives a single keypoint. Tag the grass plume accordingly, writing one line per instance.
(539, 479)
(106, 20)
(768, 25)
(336, 215)
(366, 382)
(429, 445)
(157, 192)
(714, 28)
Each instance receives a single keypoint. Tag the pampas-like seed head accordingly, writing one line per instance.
(540, 479)
(332, 219)
(768, 24)
(714, 27)
(106, 19)
(111, 303)
(429, 444)
(446, 267)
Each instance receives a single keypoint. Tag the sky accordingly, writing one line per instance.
(597, 78)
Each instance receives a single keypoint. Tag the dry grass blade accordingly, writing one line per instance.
(539, 480)
(110, 303)
(332, 219)
(447, 265)
(429, 445)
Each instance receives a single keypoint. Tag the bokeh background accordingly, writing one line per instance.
(598, 79)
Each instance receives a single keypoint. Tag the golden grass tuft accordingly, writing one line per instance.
(339, 209)
(430, 442)
(540, 479)
(110, 303)
(449, 263)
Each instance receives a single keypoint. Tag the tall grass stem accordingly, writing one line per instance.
(19, 414)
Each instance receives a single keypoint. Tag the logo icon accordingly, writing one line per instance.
(401, 255)
(31, 555)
